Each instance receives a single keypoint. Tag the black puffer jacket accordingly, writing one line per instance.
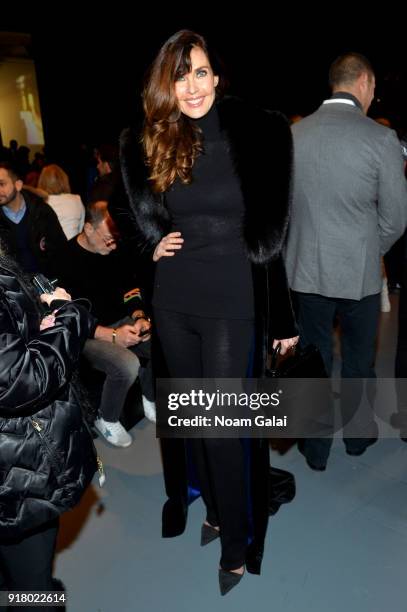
(47, 455)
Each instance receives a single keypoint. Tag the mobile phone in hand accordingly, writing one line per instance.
(43, 285)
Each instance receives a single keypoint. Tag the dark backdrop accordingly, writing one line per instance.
(90, 69)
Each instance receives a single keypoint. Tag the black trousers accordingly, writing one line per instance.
(198, 347)
(26, 564)
(358, 321)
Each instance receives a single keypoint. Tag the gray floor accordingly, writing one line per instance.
(341, 545)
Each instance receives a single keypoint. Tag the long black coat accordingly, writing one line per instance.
(261, 150)
(47, 456)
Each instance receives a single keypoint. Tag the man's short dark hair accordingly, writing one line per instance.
(11, 169)
(96, 212)
(347, 68)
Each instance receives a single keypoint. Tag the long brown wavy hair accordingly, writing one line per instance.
(171, 142)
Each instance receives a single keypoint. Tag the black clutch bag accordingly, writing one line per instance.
(305, 363)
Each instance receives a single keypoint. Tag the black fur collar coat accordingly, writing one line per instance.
(261, 149)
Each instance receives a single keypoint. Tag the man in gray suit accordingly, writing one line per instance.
(349, 207)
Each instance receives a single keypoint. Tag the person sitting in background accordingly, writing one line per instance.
(91, 269)
(12, 151)
(32, 177)
(107, 163)
(22, 161)
(67, 206)
(107, 157)
(29, 227)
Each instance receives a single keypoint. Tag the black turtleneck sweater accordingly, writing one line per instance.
(211, 275)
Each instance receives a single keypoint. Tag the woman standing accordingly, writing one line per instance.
(209, 193)
(47, 456)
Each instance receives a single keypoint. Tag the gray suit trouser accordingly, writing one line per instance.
(121, 366)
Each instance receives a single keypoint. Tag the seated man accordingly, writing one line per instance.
(92, 268)
(29, 228)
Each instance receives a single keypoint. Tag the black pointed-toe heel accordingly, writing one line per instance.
(228, 580)
(208, 534)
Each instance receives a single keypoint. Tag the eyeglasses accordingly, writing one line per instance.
(108, 239)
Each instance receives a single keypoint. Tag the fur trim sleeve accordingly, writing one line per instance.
(267, 217)
(147, 209)
(261, 151)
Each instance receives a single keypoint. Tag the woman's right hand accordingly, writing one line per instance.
(58, 294)
(167, 245)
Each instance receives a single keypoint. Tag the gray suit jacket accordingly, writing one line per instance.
(349, 202)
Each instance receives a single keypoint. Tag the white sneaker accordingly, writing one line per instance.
(149, 409)
(113, 432)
